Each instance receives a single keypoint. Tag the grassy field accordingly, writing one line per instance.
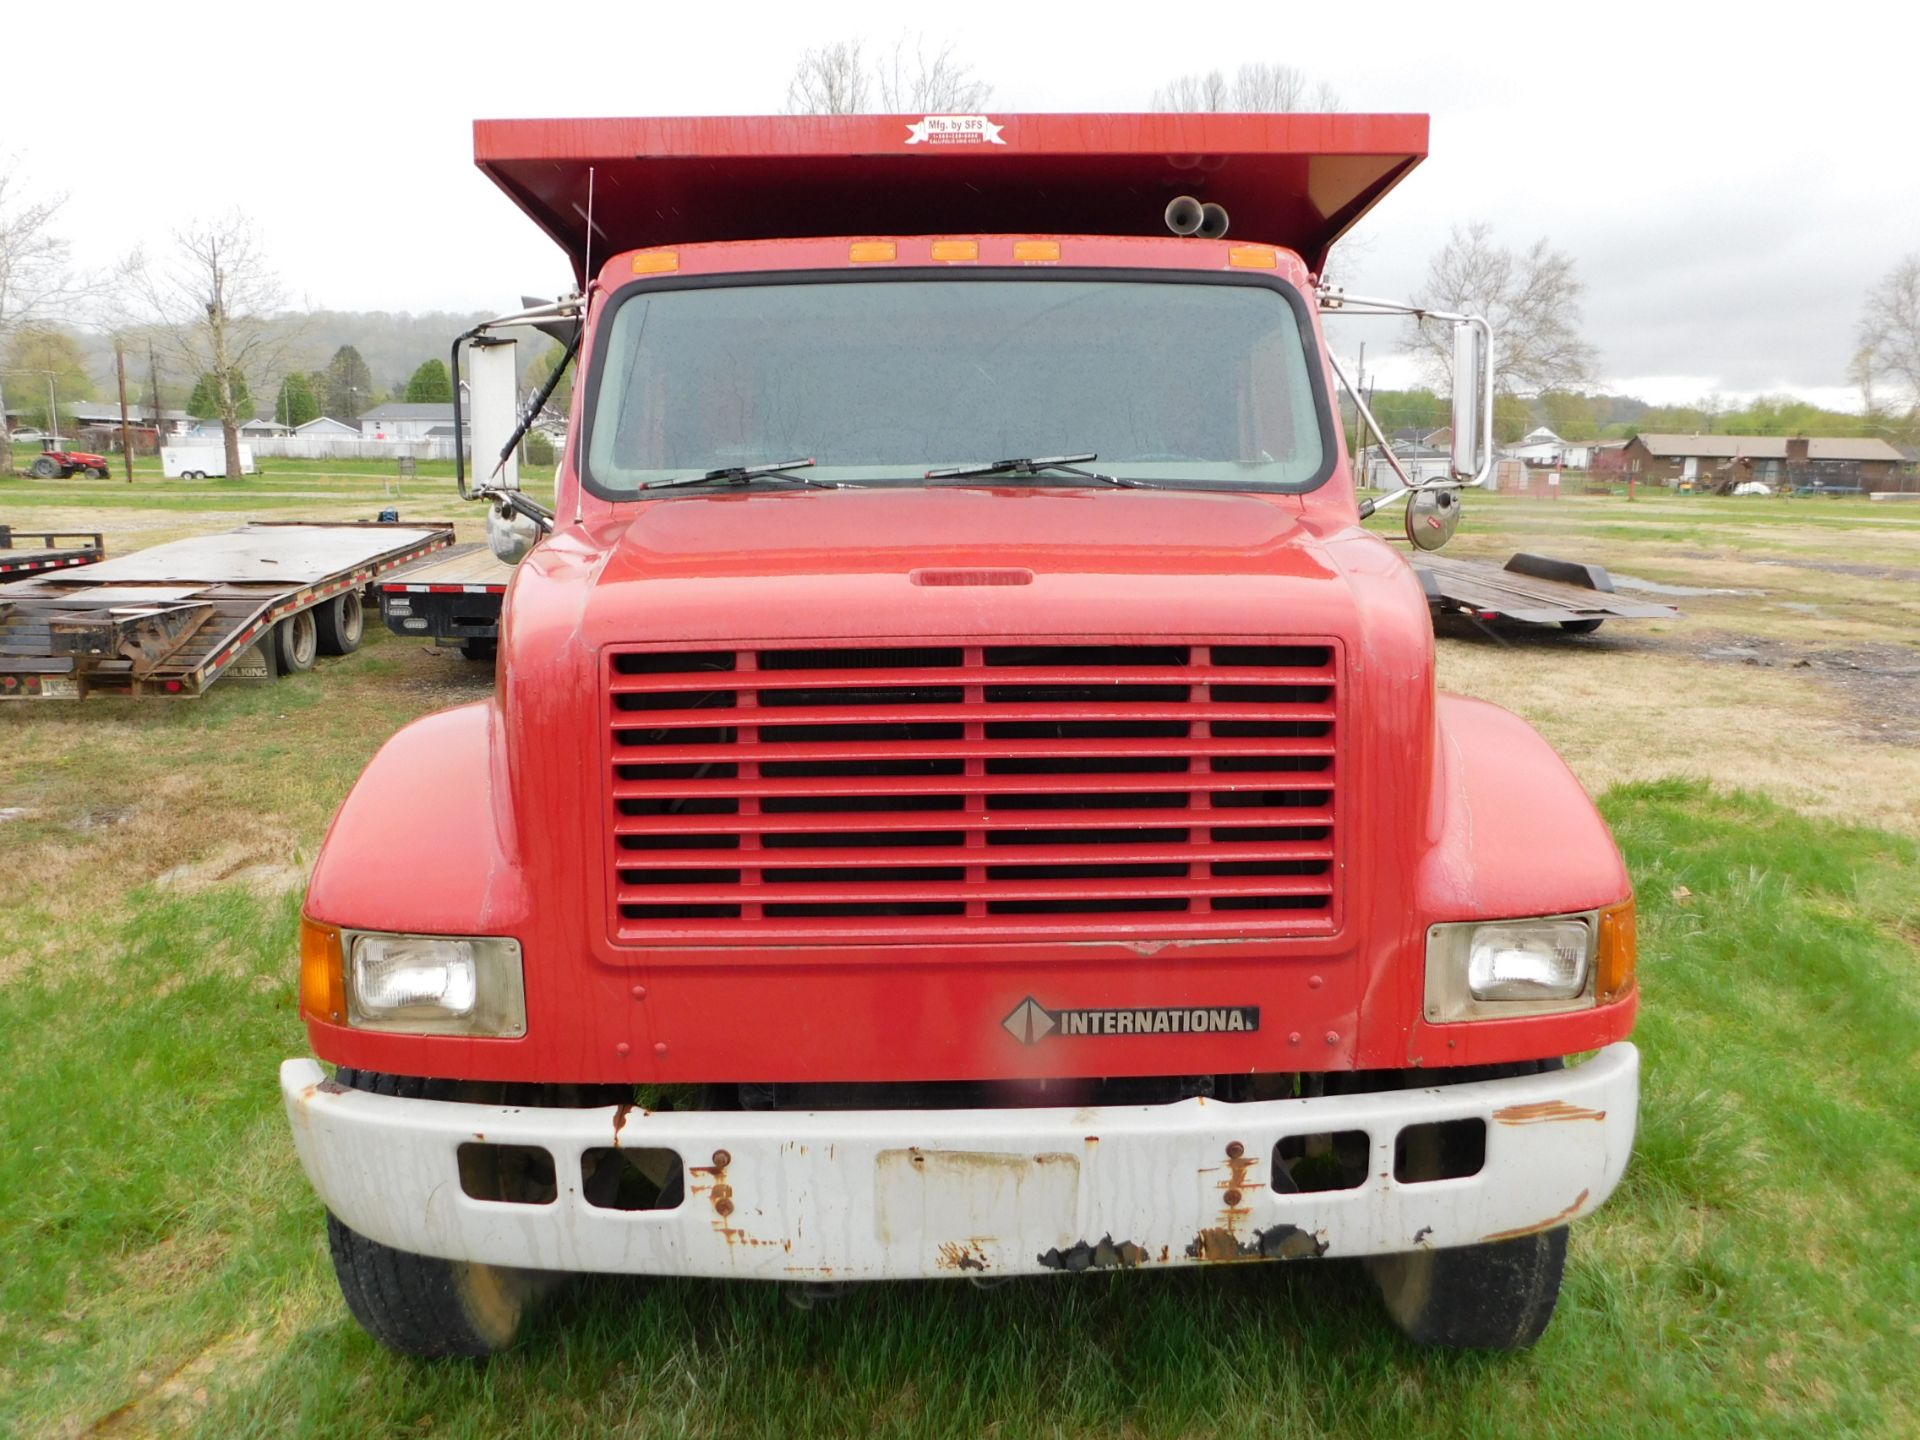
(162, 1269)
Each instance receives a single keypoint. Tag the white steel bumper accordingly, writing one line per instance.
(874, 1195)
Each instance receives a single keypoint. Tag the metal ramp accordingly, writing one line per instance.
(1528, 589)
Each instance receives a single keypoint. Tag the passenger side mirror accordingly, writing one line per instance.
(1472, 404)
(1433, 514)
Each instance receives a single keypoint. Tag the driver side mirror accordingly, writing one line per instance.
(1472, 401)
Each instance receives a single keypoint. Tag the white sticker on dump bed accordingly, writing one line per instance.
(955, 130)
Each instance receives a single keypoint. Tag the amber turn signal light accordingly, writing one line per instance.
(323, 986)
(1619, 953)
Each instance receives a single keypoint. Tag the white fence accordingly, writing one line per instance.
(341, 447)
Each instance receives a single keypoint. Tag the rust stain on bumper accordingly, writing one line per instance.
(1547, 1224)
(1546, 1110)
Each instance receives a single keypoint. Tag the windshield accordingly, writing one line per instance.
(880, 380)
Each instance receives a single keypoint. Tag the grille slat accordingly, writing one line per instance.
(854, 857)
(856, 748)
(1180, 787)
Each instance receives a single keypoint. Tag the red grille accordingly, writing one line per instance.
(972, 791)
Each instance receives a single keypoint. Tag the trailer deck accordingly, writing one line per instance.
(171, 620)
(1528, 589)
(455, 598)
(58, 550)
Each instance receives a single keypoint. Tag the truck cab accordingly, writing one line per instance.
(964, 795)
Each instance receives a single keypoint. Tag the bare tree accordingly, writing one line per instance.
(36, 285)
(1889, 329)
(1531, 298)
(215, 300)
(917, 78)
(830, 80)
(1256, 86)
(920, 81)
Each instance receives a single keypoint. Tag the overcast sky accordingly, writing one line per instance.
(1731, 180)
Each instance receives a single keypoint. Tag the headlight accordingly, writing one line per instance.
(418, 984)
(1487, 970)
(1535, 960)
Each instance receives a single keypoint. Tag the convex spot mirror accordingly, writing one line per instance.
(510, 535)
(1432, 517)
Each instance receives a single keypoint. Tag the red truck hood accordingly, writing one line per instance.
(964, 561)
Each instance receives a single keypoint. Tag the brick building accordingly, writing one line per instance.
(1774, 460)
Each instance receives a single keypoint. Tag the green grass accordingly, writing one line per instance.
(1757, 1274)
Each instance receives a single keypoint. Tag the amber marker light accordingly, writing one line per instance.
(323, 987)
(870, 252)
(1036, 249)
(1253, 257)
(1619, 955)
(656, 262)
(956, 249)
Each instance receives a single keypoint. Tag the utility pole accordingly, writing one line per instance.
(153, 390)
(126, 430)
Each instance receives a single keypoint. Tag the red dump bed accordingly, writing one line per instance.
(1294, 180)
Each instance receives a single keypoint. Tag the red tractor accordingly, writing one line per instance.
(66, 463)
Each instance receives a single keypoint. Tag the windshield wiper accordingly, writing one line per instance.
(741, 474)
(1036, 465)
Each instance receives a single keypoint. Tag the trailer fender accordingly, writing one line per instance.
(424, 841)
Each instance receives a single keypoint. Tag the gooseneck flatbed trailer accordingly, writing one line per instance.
(57, 550)
(255, 602)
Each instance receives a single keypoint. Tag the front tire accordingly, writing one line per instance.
(341, 623)
(1475, 1297)
(421, 1305)
(1581, 627)
(1498, 1296)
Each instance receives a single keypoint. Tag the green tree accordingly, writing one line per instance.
(349, 385)
(49, 353)
(295, 404)
(429, 385)
(1570, 415)
(204, 403)
(541, 368)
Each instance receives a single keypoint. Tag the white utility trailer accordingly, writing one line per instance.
(202, 462)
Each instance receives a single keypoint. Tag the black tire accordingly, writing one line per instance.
(420, 1304)
(341, 623)
(480, 650)
(43, 469)
(101, 472)
(1499, 1296)
(1581, 627)
(296, 641)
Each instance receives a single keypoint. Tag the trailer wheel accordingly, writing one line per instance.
(477, 649)
(419, 1304)
(340, 622)
(1474, 1297)
(295, 642)
(42, 469)
(1581, 627)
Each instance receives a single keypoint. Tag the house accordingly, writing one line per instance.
(1421, 462)
(402, 421)
(1539, 447)
(260, 426)
(328, 428)
(1772, 460)
(91, 415)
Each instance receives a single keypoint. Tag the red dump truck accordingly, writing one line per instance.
(964, 794)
